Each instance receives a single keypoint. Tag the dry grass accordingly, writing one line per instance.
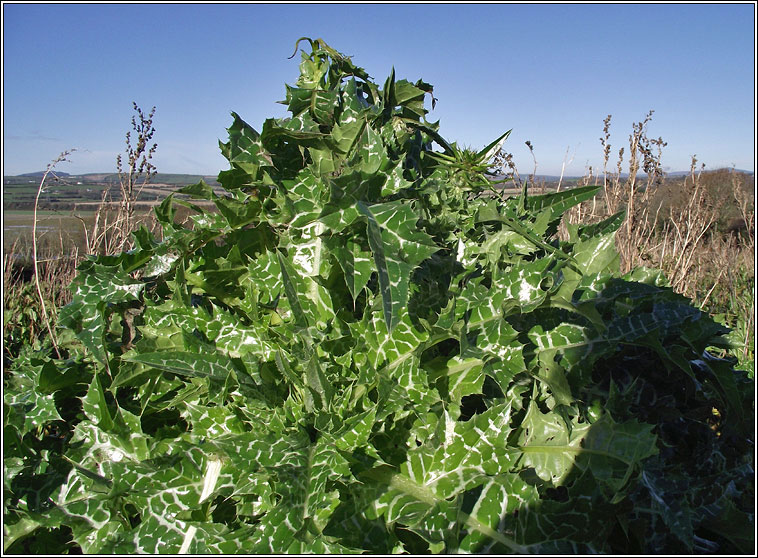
(681, 227)
(28, 286)
(678, 235)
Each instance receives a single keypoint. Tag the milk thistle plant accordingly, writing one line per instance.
(366, 348)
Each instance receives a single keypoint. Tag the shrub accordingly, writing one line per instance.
(367, 349)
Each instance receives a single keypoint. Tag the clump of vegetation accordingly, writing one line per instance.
(366, 348)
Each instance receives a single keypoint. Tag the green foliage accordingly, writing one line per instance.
(22, 321)
(739, 316)
(364, 351)
(24, 325)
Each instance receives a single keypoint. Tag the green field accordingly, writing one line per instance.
(73, 192)
(56, 230)
(68, 205)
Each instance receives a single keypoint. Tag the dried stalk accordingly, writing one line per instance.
(62, 157)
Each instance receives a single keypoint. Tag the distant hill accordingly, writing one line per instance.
(672, 174)
(40, 174)
(173, 179)
(685, 173)
(176, 179)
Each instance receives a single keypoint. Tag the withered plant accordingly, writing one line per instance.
(111, 233)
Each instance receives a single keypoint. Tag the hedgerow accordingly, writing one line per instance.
(365, 347)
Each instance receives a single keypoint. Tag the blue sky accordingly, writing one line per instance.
(550, 72)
